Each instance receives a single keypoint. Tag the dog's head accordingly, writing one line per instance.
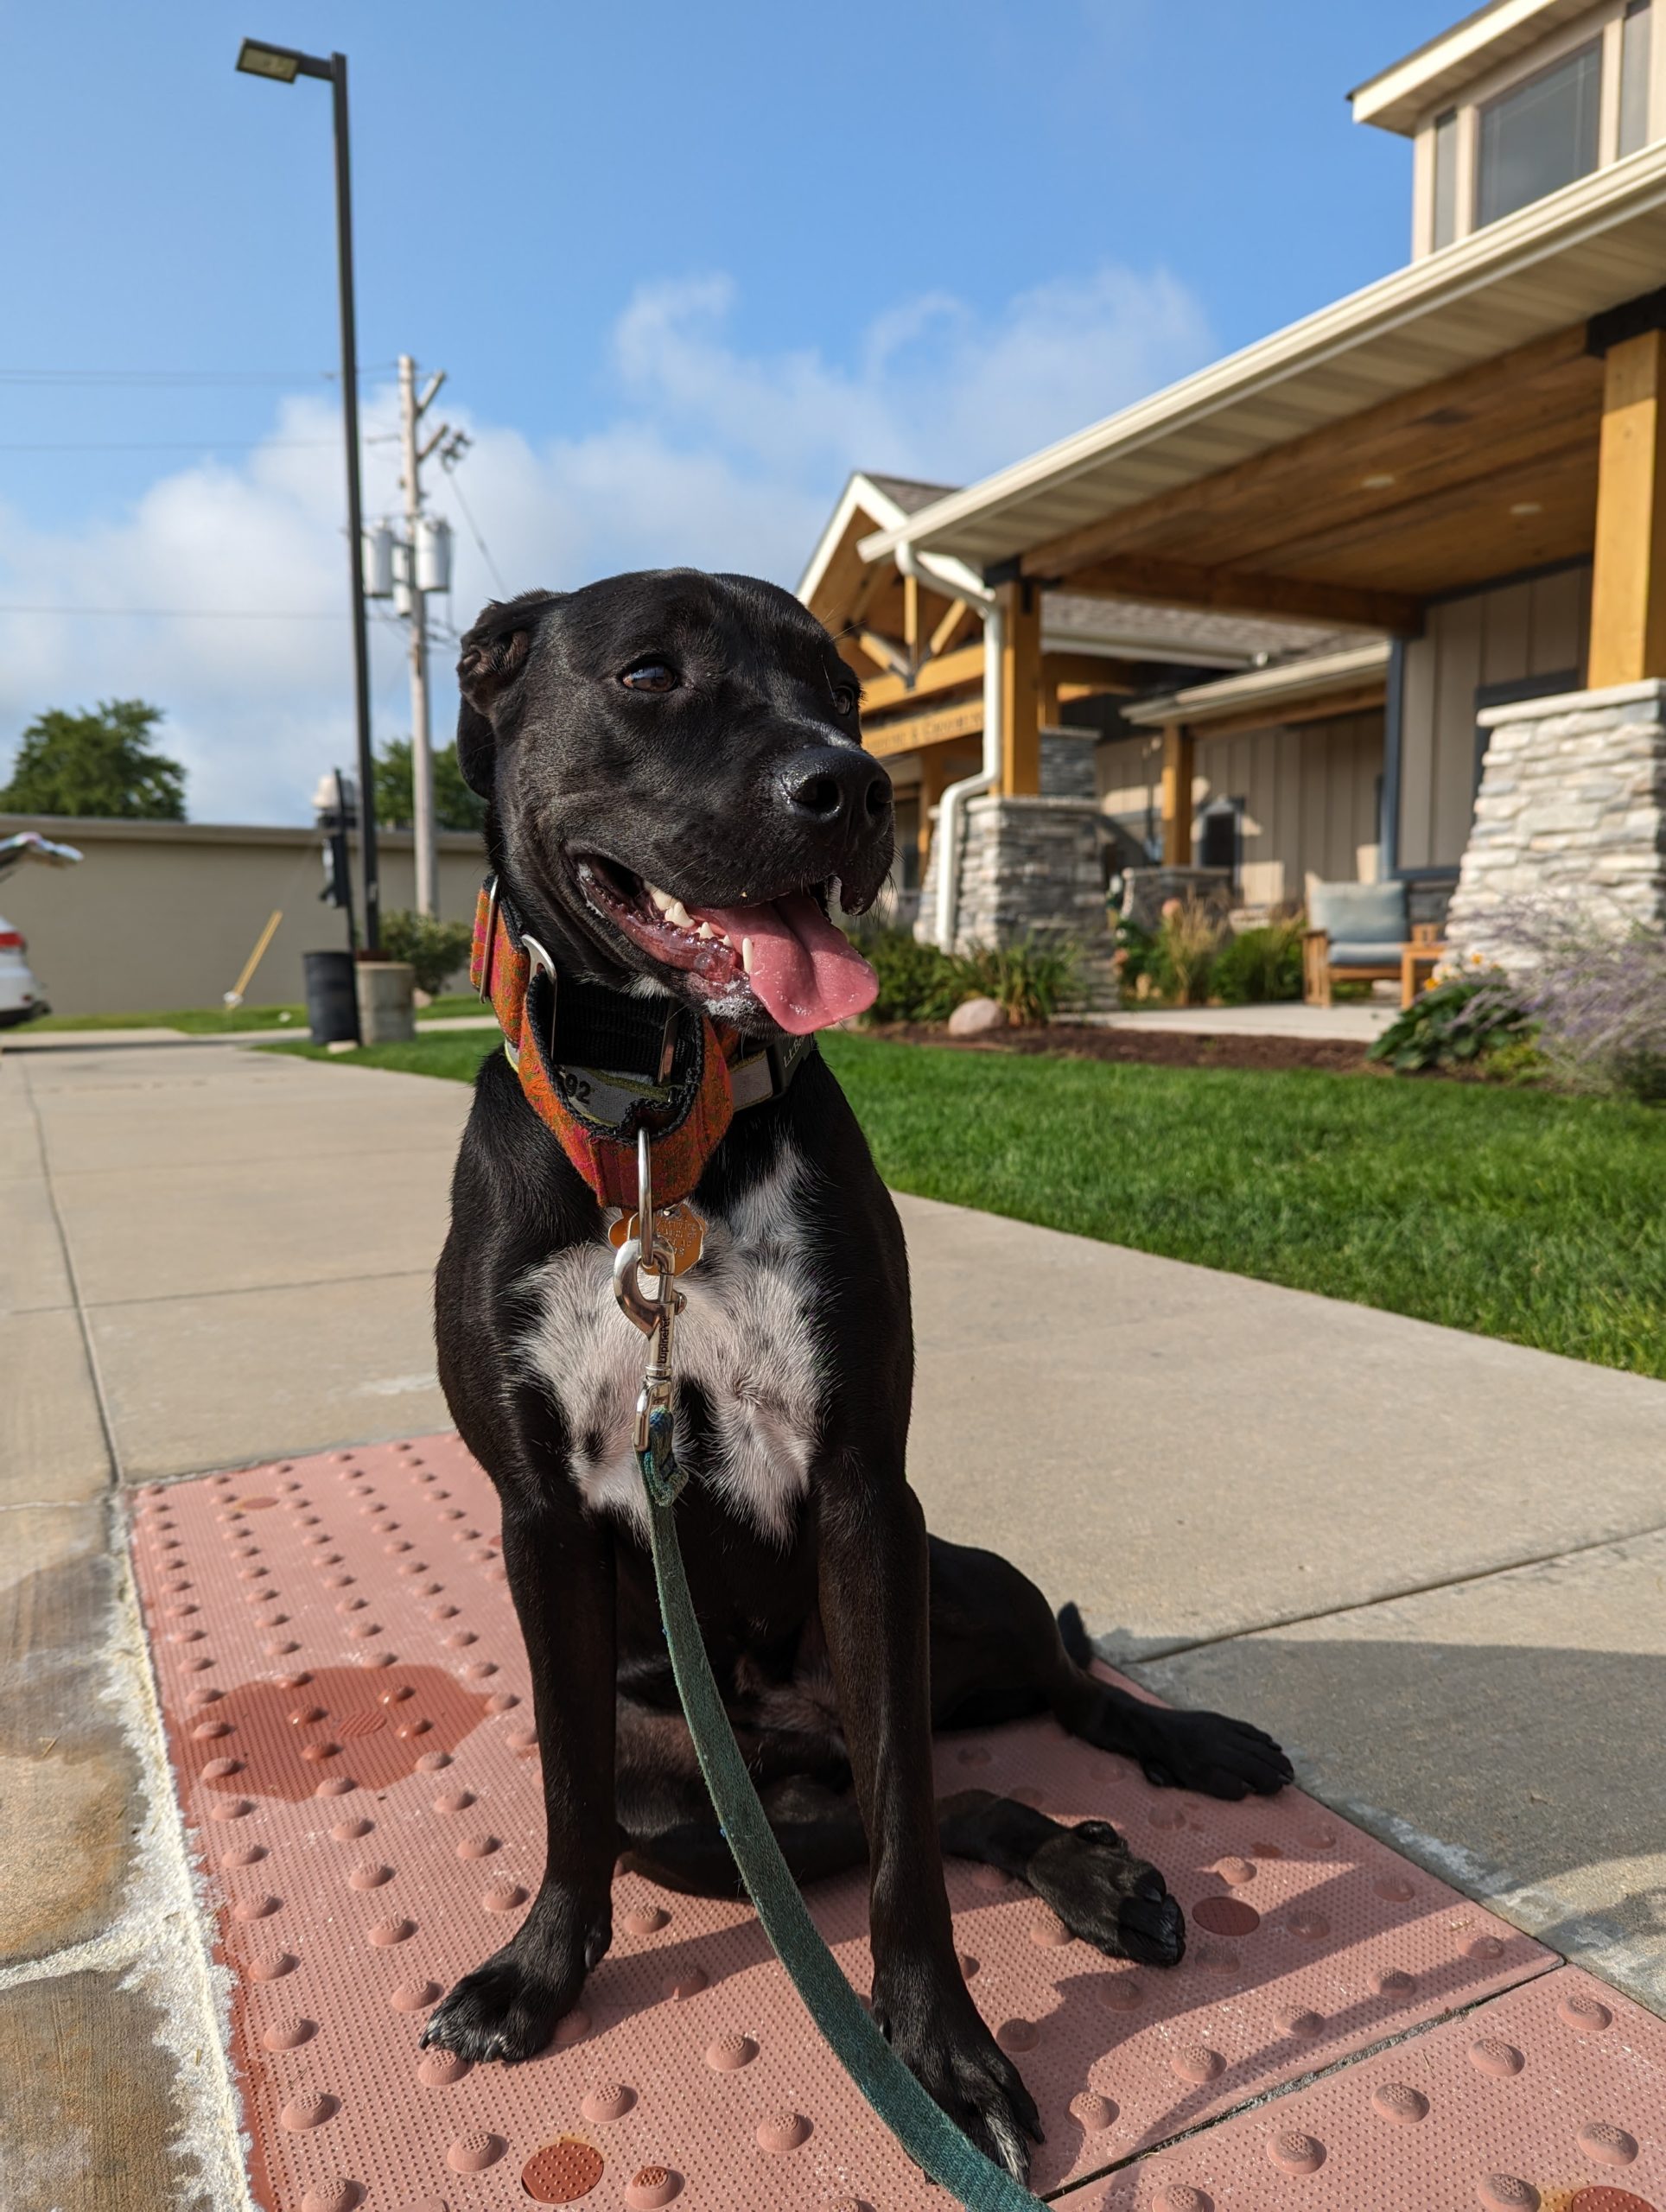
(678, 790)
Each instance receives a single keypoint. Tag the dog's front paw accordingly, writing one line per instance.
(508, 2007)
(1107, 1897)
(941, 2040)
(1207, 1752)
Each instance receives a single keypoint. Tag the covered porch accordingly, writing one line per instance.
(1462, 464)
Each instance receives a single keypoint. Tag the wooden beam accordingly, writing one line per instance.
(1412, 442)
(1184, 583)
(1096, 672)
(933, 776)
(946, 628)
(1020, 691)
(964, 665)
(1628, 582)
(907, 732)
(886, 651)
(1179, 767)
(910, 618)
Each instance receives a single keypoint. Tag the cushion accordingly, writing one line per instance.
(1344, 955)
(1357, 915)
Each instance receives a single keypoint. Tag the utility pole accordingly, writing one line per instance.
(422, 571)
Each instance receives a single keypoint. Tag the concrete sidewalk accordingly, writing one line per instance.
(1434, 1564)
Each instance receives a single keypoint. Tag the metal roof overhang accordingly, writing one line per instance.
(1316, 678)
(1593, 246)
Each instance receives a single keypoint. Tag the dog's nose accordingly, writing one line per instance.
(835, 787)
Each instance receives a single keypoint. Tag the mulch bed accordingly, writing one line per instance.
(1151, 1048)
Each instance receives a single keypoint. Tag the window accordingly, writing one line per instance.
(1539, 136)
(1446, 177)
(1634, 43)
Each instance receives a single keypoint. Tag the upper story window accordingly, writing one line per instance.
(1539, 136)
(1504, 118)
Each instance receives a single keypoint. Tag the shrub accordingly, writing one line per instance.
(1259, 965)
(1466, 1020)
(919, 983)
(434, 949)
(1598, 1000)
(1190, 938)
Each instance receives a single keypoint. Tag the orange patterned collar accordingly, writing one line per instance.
(596, 1065)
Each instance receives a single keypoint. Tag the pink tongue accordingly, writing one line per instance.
(805, 971)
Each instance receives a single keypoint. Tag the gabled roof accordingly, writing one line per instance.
(886, 501)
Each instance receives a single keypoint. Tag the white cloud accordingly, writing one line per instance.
(712, 455)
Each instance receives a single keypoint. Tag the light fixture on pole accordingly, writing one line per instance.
(281, 65)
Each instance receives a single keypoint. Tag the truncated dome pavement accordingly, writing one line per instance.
(349, 1717)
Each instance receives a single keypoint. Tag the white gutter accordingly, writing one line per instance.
(955, 577)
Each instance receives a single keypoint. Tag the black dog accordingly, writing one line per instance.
(678, 785)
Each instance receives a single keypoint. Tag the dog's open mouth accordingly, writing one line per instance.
(783, 953)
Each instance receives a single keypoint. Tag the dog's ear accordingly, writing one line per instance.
(494, 654)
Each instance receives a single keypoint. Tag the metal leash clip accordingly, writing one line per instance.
(646, 1286)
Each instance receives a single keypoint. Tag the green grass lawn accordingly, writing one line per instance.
(1515, 1213)
(222, 1020)
(194, 1020)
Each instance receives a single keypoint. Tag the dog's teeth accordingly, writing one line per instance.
(663, 899)
(675, 911)
(746, 954)
(705, 929)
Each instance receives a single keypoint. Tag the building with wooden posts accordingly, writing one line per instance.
(1456, 476)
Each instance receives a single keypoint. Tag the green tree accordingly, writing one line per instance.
(99, 765)
(456, 807)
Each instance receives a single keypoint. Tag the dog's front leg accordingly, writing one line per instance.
(560, 1565)
(873, 1595)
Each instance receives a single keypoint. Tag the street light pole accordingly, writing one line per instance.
(283, 65)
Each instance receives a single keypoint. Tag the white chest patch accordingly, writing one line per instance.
(747, 1337)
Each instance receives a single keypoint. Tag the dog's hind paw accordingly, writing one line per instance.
(502, 2010)
(1210, 1753)
(1107, 1897)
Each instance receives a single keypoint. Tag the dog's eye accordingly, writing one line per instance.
(844, 698)
(650, 675)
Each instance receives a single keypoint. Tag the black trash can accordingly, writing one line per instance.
(331, 1001)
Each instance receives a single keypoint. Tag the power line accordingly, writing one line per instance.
(205, 446)
(474, 533)
(187, 613)
(147, 378)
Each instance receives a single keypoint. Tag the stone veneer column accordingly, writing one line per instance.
(1571, 814)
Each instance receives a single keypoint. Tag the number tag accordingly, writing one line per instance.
(678, 1227)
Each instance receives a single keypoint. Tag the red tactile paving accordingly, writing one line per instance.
(347, 1710)
(1552, 2099)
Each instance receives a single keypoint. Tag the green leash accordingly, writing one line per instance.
(917, 2121)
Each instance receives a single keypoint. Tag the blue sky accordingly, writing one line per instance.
(686, 267)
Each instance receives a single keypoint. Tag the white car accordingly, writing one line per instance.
(20, 995)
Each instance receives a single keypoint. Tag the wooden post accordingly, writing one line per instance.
(1179, 766)
(1021, 692)
(933, 775)
(1628, 581)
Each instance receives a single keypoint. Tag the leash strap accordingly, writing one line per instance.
(917, 2120)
